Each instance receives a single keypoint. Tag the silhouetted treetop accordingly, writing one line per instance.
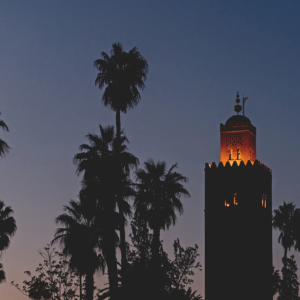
(8, 225)
(123, 74)
(4, 148)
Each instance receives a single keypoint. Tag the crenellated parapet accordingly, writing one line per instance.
(250, 165)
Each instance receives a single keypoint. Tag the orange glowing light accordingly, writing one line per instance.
(234, 199)
(264, 201)
(238, 141)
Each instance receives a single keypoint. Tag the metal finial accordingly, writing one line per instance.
(237, 107)
(237, 97)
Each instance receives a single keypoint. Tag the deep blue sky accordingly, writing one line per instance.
(199, 53)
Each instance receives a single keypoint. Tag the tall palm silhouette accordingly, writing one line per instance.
(158, 199)
(123, 75)
(4, 148)
(2, 274)
(97, 162)
(284, 219)
(8, 226)
(80, 237)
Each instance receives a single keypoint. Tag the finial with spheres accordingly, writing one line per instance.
(237, 108)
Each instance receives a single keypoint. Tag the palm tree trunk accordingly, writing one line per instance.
(119, 196)
(89, 285)
(80, 285)
(111, 261)
(123, 249)
(118, 128)
(155, 245)
(155, 257)
(285, 257)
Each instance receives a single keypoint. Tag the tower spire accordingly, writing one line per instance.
(237, 108)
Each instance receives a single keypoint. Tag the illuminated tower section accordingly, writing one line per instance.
(238, 218)
(238, 140)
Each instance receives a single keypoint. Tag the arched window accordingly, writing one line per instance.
(238, 153)
(226, 203)
(235, 199)
(264, 200)
(230, 154)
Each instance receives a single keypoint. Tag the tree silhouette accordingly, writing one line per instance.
(2, 274)
(80, 238)
(122, 74)
(8, 226)
(285, 219)
(183, 265)
(174, 274)
(276, 281)
(184, 295)
(53, 278)
(289, 288)
(4, 148)
(158, 199)
(97, 162)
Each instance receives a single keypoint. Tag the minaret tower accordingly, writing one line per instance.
(238, 217)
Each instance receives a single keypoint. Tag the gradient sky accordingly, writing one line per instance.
(199, 53)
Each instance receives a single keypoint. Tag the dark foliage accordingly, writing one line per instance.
(174, 275)
(285, 219)
(183, 265)
(8, 228)
(157, 201)
(289, 288)
(98, 163)
(80, 237)
(2, 274)
(276, 281)
(54, 278)
(122, 74)
(4, 148)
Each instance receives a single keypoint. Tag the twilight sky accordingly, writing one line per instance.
(199, 53)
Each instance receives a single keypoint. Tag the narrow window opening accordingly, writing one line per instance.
(230, 154)
(226, 203)
(264, 200)
(238, 153)
(235, 202)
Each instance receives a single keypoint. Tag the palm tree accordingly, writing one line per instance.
(4, 148)
(123, 75)
(8, 226)
(97, 162)
(158, 199)
(284, 219)
(2, 274)
(80, 238)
